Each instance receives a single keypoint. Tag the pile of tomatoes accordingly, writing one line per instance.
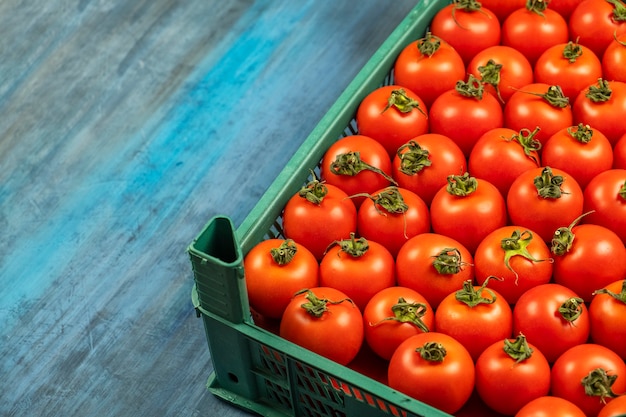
(467, 246)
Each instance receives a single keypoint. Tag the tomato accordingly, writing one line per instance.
(502, 154)
(357, 164)
(434, 265)
(564, 7)
(619, 153)
(392, 216)
(324, 320)
(359, 268)
(438, 359)
(517, 257)
(428, 67)
(544, 199)
(276, 269)
(533, 29)
(588, 375)
(570, 65)
(605, 195)
(553, 318)
(503, 69)
(549, 406)
(393, 315)
(602, 106)
(465, 113)
(503, 8)
(467, 209)
(467, 26)
(538, 105)
(594, 22)
(607, 312)
(614, 59)
(318, 215)
(423, 164)
(580, 150)
(616, 408)
(392, 115)
(476, 316)
(511, 373)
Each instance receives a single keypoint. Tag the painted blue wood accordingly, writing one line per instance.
(125, 126)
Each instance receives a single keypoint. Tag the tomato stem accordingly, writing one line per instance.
(518, 349)
(472, 297)
(448, 261)
(414, 159)
(402, 102)
(582, 134)
(405, 312)
(428, 45)
(563, 237)
(461, 185)
(490, 74)
(571, 309)
(549, 185)
(599, 383)
(432, 352)
(283, 254)
(600, 92)
(553, 96)
(353, 246)
(473, 88)
(517, 245)
(537, 6)
(622, 191)
(314, 191)
(527, 140)
(619, 10)
(621, 296)
(572, 51)
(351, 164)
(317, 306)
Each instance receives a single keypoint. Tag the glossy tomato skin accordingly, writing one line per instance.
(604, 196)
(271, 284)
(605, 116)
(564, 7)
(408, 371)
(336, 335)
(614, 59)
(503, 8)
(608, 319)
(619, 153)
(444, 157)
(616, 408)
(536, 315)
(549, 406)
(384, 334)
(591, 22)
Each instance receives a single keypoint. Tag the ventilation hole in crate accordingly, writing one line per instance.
(278, 394)
(233, 378)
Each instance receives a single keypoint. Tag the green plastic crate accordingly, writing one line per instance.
(253, 368)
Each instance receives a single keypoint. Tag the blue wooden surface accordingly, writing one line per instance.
(125, 126)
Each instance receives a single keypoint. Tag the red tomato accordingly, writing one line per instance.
(318, 215)
(392, 216)
(502, 154)
(357, 164)
(544, 199)
(586, 375)
(465, 113)
(468, 27)
(503, 69)
(510, 374)
(392, 115)
(616, 408)
(359, 268)
(614, 59)
(503, 8)
(605, 195)
(438, 359)
(517, 257)
(434, 265)
(602, 106)
(580, 150)
(619, 153)
(549, 406)
(607, 312)
(467, 209)
(423, 164)
(533, 29)
(538, 105)
(476, 316)
(553, 318)
(571, 66)
(325, 321)
(275, 270)
(393, 315)
(593, 23)
(428, 67)
(564, 7)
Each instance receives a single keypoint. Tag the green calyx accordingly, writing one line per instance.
(414, 159)
(582, 133)
(314, 191)
(351, 164)
(315, 306)
(461, 185)
(490, 74)
(517, 245)
(600, 92)
(473, 88)
(405, 312)
(622, 191)
(572, 51)
(518, 349)
(527, 140)
(448, 261)
(432, 352)
(536, 6)
(598, 383)
(403, 103)
(472, 296)
(390, 200)
(620, 296)
(283, 254)
(619, 10)
(571, 309)
(353, 246)
(549, 185)
(563, 237)
(553, 96)
(428, 45)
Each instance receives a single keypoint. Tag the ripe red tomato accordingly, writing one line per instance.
(553, 318)
(392, 216)
(324, 320)
(503, 8)
(423, 164)
(517, 257)
(502, 154)
(614, 59)
(275, 270)
(594, 22)
(580, 150)
(429, 66)
(467, 26)
(438, 359)
(570, 65)
(619, 153)
(544, 199)
(359, 268)
(393, 315)
(538, 105)
(549, 406)
(434, 265)
(605, 195)
(607, 312)
(476, 316)
(392, 115)
(586, 375)
(533, 29)
(564, 7)
(467, 209)
(465, 113)
(616, 408)
(510, 374)
(318, 215)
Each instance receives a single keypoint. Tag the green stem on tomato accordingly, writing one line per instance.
(563, 237)
(414, 159)
(553, 96)
(403, 103)
(490, 74)
(472, 297)
(353, 246)
(598, 383)
(405, 312)
(621, 296)
(537, 6)
(518, 349)
(473, 88)
(428, 45)
(619, 10)
(314, 191)
(572, 51)
(549, 185)
(600, 92)
(527, 140)
(517, 245)
(448, 261)
(622, 191)
(315, 306)
(461, 185)
(283, 254)
(571, 309)
(351, 164)
(432, 352)
(581, 133)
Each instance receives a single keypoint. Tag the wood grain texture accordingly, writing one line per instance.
(125, 126)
